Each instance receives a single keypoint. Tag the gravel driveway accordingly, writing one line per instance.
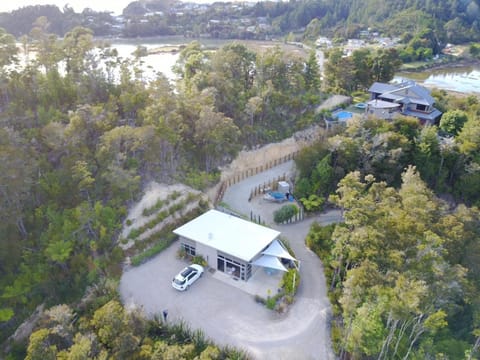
(230, 316)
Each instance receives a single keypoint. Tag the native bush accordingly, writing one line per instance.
(200, 260)
(290, 281)
(285, 213)
(313, 203)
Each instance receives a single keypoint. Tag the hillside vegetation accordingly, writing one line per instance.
(83, 132)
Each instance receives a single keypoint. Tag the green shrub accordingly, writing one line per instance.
(319, 240)
(285, 213)
(154, 250)
(163, 238)
(303, 188)
(290, 281)
(181, 253)
(201, 180)
(200, 260)
(152, 209)
(175, 195)
(177, 207)
(336, 336)
(313, 203)
(134, 233)
(192, 197)
(270, 303)
(288, 299)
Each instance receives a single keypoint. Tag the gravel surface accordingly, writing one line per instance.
(230, 316)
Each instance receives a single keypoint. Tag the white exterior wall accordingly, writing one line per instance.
(209, 254)
(381, 113)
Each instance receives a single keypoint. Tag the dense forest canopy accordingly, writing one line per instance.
(403, 267)
(402, 280)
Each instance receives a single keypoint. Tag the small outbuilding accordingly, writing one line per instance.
(233, 245)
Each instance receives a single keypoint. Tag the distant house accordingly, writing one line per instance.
(405, 98)
(323, 42)
(232, 245)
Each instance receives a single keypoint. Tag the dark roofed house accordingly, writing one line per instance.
(406, 98)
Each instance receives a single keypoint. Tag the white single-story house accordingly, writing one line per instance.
(233, 245)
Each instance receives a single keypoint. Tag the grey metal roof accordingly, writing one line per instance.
(401, 92)
(380, 88)
(427, 116)
(393, 97)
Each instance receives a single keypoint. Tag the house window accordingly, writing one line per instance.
(189, 249)
(421, 107)
(233, 267)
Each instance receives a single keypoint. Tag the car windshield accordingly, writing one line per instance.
(179, 281)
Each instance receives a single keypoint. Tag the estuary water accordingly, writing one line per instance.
(460, 79)
(153, 63)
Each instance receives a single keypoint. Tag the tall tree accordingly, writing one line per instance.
(427, 155)
(387, 255)
(8, 49)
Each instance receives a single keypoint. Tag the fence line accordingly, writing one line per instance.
(266, 186)
(239, 176)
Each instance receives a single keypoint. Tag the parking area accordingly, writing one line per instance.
(212, 304)
(149, 286)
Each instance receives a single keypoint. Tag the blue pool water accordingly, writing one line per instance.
(360, 105)
(342, 115)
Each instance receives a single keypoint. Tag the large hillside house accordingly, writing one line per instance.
(405, 98)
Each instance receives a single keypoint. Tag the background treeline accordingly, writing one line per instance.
(349, 74)
(82, 131)
(403, 267)
(421, 24)
(19, 22)
(345, 18)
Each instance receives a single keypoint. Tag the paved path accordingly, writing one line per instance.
(308, 336)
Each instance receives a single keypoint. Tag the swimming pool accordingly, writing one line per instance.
(360, 105)
(342, 115)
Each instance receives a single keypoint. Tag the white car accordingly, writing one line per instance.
(187, 277)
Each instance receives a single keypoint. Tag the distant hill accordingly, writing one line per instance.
(451, 20)
(435, 23)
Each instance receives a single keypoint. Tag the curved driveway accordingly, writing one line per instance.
(307, 332)
(230, 316)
